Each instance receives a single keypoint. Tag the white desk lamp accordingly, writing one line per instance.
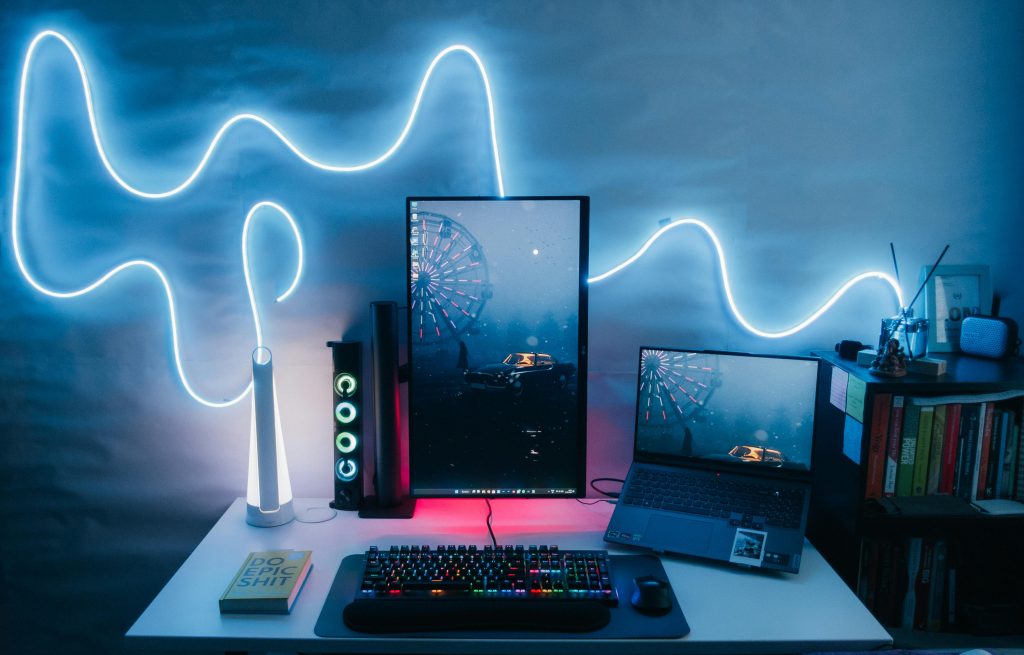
(269, 496)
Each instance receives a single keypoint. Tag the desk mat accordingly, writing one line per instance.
(626, 622)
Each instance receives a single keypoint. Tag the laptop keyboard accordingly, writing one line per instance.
(744, 503)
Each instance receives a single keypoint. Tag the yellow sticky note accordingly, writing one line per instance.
(855, 390)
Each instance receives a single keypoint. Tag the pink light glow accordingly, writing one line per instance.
(516, 520)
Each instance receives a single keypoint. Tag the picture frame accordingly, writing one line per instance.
(952, 293)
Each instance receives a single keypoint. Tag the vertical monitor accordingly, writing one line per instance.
(497, 309)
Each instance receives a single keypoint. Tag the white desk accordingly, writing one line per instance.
(729, 610)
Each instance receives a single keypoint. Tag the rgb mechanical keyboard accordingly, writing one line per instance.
(745, 503)
(505, 572)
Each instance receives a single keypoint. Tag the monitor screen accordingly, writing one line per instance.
(497, 310)
(749, 410)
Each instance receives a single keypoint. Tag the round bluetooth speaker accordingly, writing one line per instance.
(989, 336)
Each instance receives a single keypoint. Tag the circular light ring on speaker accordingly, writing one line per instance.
(346, 442)
(345, 384)
(346, 469)
(345, 412)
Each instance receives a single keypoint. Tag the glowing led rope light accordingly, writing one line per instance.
(245, 261)
(169, 294)
(337, 168)
(728, 288)
(238, 118)
(194, 174)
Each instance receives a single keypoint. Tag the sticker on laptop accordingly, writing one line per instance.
(624, 536)
(748, 547)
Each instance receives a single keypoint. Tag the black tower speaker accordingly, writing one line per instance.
(348, 423)
(389, 502)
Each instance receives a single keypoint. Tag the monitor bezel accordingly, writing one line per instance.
(697, 462)
(582, 344)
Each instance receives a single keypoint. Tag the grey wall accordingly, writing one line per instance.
(807, 134)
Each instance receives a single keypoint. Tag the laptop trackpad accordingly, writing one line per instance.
(667, 532)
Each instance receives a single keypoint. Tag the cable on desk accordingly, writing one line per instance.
(490, 517)
(609, 494)
(594, 502)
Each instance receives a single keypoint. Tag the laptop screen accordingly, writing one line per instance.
(751, 410)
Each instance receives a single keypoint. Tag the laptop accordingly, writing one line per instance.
(722, 457)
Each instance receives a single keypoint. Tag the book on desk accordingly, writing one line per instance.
(268, 582)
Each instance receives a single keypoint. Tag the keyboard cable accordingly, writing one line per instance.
(490, 517)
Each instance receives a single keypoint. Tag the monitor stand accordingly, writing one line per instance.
(388, 502)
(371, 509)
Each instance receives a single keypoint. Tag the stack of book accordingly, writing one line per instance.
(968, 446)
(909, 584)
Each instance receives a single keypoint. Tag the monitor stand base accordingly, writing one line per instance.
(370, 509)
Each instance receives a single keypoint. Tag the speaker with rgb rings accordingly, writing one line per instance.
(348, 393)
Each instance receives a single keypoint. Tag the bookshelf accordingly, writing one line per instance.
(920, 553)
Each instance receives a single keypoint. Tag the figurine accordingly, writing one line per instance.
(892, 363)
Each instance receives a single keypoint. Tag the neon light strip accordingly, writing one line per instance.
(238, 118)
(245, 261)
(728, 288)
(194, 174)
(169, 294)
(191, 177)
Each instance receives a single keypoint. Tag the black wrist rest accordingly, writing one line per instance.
(431, 615)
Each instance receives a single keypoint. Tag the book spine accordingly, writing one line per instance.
(984, 443)
(924, 443)
(899, 583)
(868, 588)
(892, 450)
(888, 579)
(995, 476)
(875, 476)
(1010, 468)
(968, 450)
(935, 461)
(1018, 489)
(951, 613)
(949, 449)
(936, 606)
(908, 450)
(923, 586)
(913, 565)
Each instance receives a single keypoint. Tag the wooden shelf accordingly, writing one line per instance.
(964, 373)
(984, 548)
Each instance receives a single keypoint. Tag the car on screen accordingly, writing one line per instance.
(520, 371)
(758, 454)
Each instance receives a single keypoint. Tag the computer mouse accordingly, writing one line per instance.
(651, 595)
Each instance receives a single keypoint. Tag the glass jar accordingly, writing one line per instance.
(912, 333)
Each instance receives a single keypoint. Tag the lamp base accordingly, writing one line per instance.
(284, 514)
(369, 509)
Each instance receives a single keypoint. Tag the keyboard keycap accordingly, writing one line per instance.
(539, 572)
(681, 491)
